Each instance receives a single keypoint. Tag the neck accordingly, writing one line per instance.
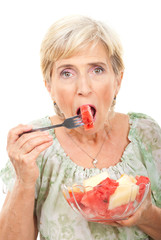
(90, 147)
(88, 138)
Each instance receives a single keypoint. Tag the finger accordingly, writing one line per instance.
(115, 224)
(128, 223)
(29, 137)
(35, 142)
(131, 221)
(37, 150)
(14, 133)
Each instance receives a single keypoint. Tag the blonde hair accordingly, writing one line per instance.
(69, 35)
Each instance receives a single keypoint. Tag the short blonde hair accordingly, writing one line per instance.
(70, 34)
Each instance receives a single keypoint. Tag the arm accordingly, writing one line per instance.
(17, 220)
(17, 216)
(147, 218)
(153, 225)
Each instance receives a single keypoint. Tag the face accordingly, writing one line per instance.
(85, 78)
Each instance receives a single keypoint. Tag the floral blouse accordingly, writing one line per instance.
(56, 219)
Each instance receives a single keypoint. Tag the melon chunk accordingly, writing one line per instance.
(87, 116)
(125, 192)
(75, 188)
(126, 179)
(95, 180)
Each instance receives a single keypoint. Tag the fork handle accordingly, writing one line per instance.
(43, 129)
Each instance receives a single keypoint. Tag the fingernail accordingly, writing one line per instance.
(28, 127)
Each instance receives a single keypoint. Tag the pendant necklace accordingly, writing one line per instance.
(94, 159)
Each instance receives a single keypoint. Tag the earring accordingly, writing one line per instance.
(114, 102)
(58, 111)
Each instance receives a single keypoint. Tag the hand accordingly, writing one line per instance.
(24, 150)
(142, 215)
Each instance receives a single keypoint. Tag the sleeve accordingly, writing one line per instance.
(150, 142)
(8, 176)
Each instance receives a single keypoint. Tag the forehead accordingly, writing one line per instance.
(91, 53)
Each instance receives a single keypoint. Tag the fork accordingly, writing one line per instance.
(72, 122)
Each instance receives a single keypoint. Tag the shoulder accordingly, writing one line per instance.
(143, 121)
(41, 122)
(147, 128)
(120, 119)
(135, 115)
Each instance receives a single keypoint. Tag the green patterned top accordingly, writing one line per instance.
(56, 219)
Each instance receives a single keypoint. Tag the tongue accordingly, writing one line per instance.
(87, 116)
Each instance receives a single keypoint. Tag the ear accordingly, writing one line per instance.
(47, 85)
(119, 78)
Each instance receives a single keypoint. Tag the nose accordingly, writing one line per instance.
(84, 87)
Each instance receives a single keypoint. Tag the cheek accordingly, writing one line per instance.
(107, 91)
(63, 98)
(108, 98)
(60, 96)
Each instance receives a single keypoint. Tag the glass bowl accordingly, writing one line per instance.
(99, 204)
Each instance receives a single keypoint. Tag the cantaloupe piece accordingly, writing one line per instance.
(94, 181)
(125, 192)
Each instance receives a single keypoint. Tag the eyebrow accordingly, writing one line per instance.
(90, 64)
(97, 63)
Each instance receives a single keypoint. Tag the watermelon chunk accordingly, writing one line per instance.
(87, 116)
(75, 195)
(78, 196)
(120, 211)
(94, 201)
(141, 182)
(98, 198)
(106, 188)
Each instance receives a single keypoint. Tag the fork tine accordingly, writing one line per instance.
(75, 117)
(77, 120)
(74, 122)
(78, 125)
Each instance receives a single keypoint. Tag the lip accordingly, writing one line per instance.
(92, 106)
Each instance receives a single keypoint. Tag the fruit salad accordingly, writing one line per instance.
(101, 197)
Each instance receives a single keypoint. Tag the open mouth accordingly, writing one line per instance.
(93, 111)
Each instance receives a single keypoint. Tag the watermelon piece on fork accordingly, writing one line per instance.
(87, 116)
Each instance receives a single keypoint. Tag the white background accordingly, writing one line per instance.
(23, 24)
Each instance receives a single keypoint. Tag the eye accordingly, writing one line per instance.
(66, 74)
(98, 70)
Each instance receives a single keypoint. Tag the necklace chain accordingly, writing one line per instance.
(94, 160)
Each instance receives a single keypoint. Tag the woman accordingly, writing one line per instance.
(81, 61)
